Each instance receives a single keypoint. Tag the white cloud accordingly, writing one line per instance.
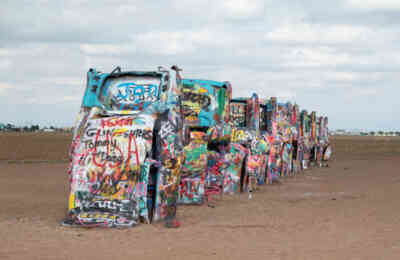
(28, 49)
(72, 99)
(368, 92)
(241, 9)
(51, 100)
(69, 81)
(165, 43)
(4, 87)
(219, 10)
(5, 64)
(4, 52)
(343, 76)
(316, 33)
(355, 93)
(374, 4)
(107, 49)
(314, 53)
(315, 57)
(182, 42)
(126, 10)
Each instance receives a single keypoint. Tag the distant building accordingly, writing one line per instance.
(48, 130)
(339, 132)
(354, 133)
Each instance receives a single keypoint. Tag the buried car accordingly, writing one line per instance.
(245, 116)
(324, 149)
(212, 165)
(285, 132)
(126, 150)
(305, 135)
(274, 156)
(205, 169)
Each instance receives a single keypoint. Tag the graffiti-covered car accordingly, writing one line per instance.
(286, 136)
(305, 135)
(207, 154)
(126, 151)
(274, 140)
(325, 147)
(245, 117)
(295, 125)
(314, 138)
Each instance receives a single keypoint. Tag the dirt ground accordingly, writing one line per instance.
(347, 211)
(52, 147)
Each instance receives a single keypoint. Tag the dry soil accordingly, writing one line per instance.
(347, 211)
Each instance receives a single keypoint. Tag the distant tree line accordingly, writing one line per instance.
(389, 133)
(365, 133)
(31, 128)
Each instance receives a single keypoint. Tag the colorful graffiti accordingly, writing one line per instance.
(208, 168)
(247, 132)
(109, 167)
(126, 151)
(193, 173)
(145, 142)
(201, 100)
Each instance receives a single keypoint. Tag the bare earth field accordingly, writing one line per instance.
(350, 210)
(52, 147)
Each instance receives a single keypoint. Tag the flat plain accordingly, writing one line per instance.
(349, 210)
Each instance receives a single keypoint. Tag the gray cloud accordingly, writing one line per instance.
(337, 57)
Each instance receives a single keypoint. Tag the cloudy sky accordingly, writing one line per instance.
(340, 58)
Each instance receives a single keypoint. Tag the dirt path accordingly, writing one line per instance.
(348, 211)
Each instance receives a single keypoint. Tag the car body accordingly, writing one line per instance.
(297, 147)
(273, 138)
(326, 149)
(206, 116)
(126, 151)
(283, 137)
(306, 141)
(314, 138)
(245, 117)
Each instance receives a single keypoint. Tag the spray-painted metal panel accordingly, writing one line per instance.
(274, 141)
(193, 173)
(245, 115)
(204, 106)
(126, 151)
(202, 100)
(306, 138)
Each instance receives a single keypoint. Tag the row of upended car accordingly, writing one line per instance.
(146, 142)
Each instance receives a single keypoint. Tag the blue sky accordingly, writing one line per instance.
(340, 58)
